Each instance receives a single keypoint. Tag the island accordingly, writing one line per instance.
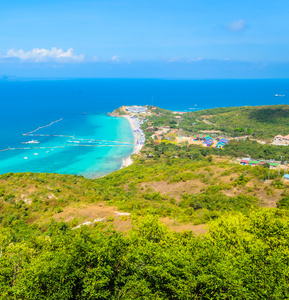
(201, 213)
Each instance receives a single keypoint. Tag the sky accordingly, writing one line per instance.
(178, 39)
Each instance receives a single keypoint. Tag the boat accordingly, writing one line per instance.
(31, 142)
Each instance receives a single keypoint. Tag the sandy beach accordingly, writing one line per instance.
(138, 146)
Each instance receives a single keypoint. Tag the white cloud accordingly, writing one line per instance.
(40, 55)
(239, 25)
(115, 58)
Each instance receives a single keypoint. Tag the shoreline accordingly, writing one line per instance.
(137, 133)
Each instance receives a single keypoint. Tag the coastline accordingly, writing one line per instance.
(138, 136)
(137, 148)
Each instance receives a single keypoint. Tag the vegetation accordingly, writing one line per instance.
(190, 187)
(235, 149)
(260, 122)
(46, 252)
(240, 258)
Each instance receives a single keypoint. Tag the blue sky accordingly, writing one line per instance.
(133, 38)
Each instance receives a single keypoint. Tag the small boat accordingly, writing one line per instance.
(35, 153)
(25, 157)
(31, 142)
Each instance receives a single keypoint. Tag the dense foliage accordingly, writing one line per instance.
(262, 122)
(235, 149)
(240, 258)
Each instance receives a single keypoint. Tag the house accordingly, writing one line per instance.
(286, 177)
(274, 165)
(252, 162)
(222, 143)
(245, 161)
(256, 163)
(198, 137)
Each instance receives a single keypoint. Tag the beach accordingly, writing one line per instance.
(96, 97)
(138, 139)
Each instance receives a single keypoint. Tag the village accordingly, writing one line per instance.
(211, 138)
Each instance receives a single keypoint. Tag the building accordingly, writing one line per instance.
(222, 143)
(136, 109)
(245, 161)
(251, 162)
(208, 141)
(286, 177)
(198, 137)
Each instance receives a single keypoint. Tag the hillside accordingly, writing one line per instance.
(181, 222)
(44, 255)
(181, 189)
(262, 122)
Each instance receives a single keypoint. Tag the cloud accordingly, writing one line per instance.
(239, 25)
(42, 55)
(115, 58)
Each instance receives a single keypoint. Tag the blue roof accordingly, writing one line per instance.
(286, 176)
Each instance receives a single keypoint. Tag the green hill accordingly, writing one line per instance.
(182, 189)
(262, 122)
(259, 121)
(244, 255)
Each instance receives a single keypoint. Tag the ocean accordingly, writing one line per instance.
(83, 104)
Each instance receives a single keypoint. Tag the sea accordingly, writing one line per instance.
(80, 107)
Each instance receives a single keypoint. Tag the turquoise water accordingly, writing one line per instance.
(90, 162)
(28, 104)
